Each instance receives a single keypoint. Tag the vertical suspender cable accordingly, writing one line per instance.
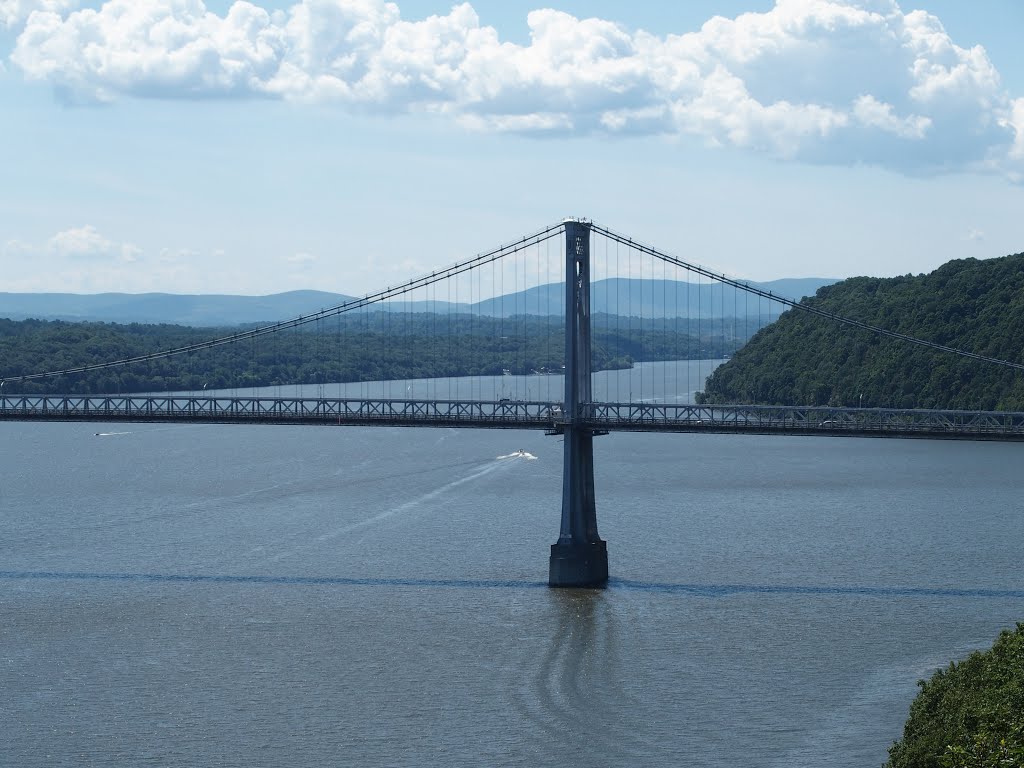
(448, 332)
(664, 332)
(700, 337)
(689, 334)
(643, 336)
(629, 300)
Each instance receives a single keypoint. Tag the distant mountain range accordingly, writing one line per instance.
(156, 308)
(653, 298)
(641, 298)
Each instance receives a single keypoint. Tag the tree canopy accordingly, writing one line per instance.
(802, 359)
(970, 715)
(359, 347)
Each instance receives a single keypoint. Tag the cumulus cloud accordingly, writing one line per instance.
(75, 259)
(84, 260)
(830, 81)
(1015, 121)
(87, 243)
(15, 12)
(874, 114)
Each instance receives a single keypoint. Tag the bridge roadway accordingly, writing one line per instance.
(518, 414)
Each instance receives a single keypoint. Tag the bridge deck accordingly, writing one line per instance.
(519, 414)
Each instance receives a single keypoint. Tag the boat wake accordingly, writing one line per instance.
(519, 455)
(418, 504)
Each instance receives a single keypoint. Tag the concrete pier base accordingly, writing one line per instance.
(578, 565)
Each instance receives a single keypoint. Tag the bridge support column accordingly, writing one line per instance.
(579, 558)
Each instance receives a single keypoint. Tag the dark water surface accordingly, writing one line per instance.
(303, 596)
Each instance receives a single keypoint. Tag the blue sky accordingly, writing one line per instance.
(342, 145)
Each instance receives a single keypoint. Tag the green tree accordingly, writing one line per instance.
(802, 359)
(970, 715)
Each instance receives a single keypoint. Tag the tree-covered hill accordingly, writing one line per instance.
(970, 715)
(357, 347)
(976, 306)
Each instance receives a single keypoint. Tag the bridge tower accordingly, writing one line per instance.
(579, 558)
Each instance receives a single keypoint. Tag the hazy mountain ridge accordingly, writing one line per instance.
(647, 298)
(157, 308)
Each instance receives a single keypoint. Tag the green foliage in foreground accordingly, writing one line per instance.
(367, 347)
(976, 306)
(970, 715)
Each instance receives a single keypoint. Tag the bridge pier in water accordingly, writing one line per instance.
(579, 558)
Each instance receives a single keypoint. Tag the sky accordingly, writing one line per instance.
(184, 146)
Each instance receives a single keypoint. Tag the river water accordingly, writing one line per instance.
(322, 596)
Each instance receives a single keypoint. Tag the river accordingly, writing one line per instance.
(323, 596)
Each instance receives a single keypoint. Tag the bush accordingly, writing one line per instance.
(970, 715)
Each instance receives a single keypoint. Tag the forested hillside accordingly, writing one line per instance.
(366, 347)
(970, 715)
(977, 306)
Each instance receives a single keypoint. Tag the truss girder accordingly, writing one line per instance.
(624, 417)
(279, 410)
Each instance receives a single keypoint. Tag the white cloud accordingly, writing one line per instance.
(828, 81)
(79, 259)
(535, 122)
(15, 12)
(83, 260)
(301, 259)
(874, 114)
(942, 70)
(168, 48)
(86, 242)
(1015, 120)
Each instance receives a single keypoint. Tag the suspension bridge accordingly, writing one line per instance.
(532, 335)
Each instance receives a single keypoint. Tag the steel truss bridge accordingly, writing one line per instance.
(407, 328)
(521, 414)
